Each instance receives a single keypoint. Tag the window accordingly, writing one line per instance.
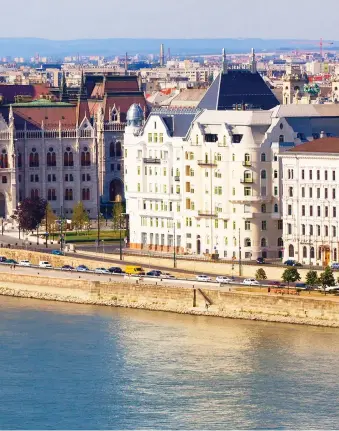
(304, 252)
(318, 211)
(302, 192)
(33, 159)
(150, 137)
(290, 192)
(276, 208)
(275, 158)
(263, 157)
(326, 230)
(275, 174)
(68, 157)
(85, 157)
(51, 158)
(290, 251)
(51, 195)
(161, 138)
(19, 160)
(68, 194)
(326, 193)
(4, 179)
(333, 194)
(318, 193)
(311, 210)
(318, 175)
(155, 137)
(318, 230)
(233, 157)
(86, 194)
(263, 175)
(312, 253)
(275, 191)
(34, 193)
(263, 191)
(334, 210)
(326, 175)
(334, 231)
(303, 210)
(247, 191)
(263, 208)
(4, 159)
(303, 229)
(247, 242)
(310, 192)
(263, 242)
(326, 211)
(247, 225)
(234, 225)
(281, 139)
(280, 225)
(264, 225)
(311, 229)
(289, 229)
(333, 175)
(310, 174)
(289, 209)
(303, 174)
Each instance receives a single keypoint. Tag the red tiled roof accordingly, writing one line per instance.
(49, 116)
(35, 91)
(123, 102)
(322, 145)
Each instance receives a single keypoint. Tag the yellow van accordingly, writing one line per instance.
(134, 270)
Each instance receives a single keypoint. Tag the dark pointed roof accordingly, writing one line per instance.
(238, 87)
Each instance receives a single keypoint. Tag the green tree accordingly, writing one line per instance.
(80, 216)
(326, 278)
(50, 219)
(30, 213)
(117, 215)
(260, 274)
(290, 275)
(312, 278)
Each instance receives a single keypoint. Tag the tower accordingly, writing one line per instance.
(224, 61)
(293, 81)
(126, 64)
(162, 55)
(253, 62)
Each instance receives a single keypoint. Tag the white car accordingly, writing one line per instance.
(101, 271)
(251, 282)
(25, 263)
(44, 264)
(203, 278)
(223, 279)
(167, 275)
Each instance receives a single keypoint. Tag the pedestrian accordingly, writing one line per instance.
(269, 290)
(206, 306)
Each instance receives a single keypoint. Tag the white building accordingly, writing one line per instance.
(311, 202)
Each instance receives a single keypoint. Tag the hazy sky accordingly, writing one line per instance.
(71, 19)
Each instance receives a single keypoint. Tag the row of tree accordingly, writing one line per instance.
(33, 212)
(291, 275)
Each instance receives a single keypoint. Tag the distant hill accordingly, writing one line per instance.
(27, 47)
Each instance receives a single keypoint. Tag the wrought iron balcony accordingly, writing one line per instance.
(177, 178)
(247, 163)
(152, 161)
(207, 163)
(207, 213)
(247, 181)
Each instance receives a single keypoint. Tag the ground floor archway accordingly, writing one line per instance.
(116, 191)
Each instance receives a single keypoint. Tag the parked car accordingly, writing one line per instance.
(203, 278)
(45, 264)
(115, 270)
(261, 260)
(291, 262)
(58, 253)
(3, 259)
(251, 282)
(335, 265)
(101, 271)
(67, 268)
(223, 279)
(82, 268)
(167, 275)
(11, 262)
(134, 270)
(154, 273)
(25, 263)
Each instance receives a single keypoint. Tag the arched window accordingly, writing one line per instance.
(263, 157)
(217, 157)
(85, 194)
(247, 159)
(112, 149)
(19, 160)
(304, 251)
(118, 150)
(68, 194)
(34, 193)
(247, 242)
(276, 208)
(4, 159)
(263, 242)
(114, 114)
(51, 157)
(281, 139)
(263, 174)
(247, 176)
(312, 254)
(280, 242)
(275, 174)
(263, 208)
(34, 159)
(290, 251)
(51, 195)
(85, 157)
(68, 157)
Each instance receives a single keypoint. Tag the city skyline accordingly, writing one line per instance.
(255, 19)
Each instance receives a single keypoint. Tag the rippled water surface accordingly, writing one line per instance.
(66, 366)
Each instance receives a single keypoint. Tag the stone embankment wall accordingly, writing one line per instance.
(133, 294)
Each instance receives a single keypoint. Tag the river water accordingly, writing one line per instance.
(67, 366)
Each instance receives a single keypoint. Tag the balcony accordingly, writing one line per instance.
(247, 163)
(177, 178)
(241, 199)
(207, 163)
(207, 213)
(247, 181)
(150, 161)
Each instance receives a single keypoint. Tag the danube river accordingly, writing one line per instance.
(68, 366)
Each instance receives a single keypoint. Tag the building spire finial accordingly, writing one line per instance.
(253, 62)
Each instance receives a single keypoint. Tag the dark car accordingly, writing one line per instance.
(11, 261)
(58, 252)
(67, 268)
(261, 260)
(291, 262)
(154, 273)
(3, 258)
(115, 270)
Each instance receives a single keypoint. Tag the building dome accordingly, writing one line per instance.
(135, 115)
